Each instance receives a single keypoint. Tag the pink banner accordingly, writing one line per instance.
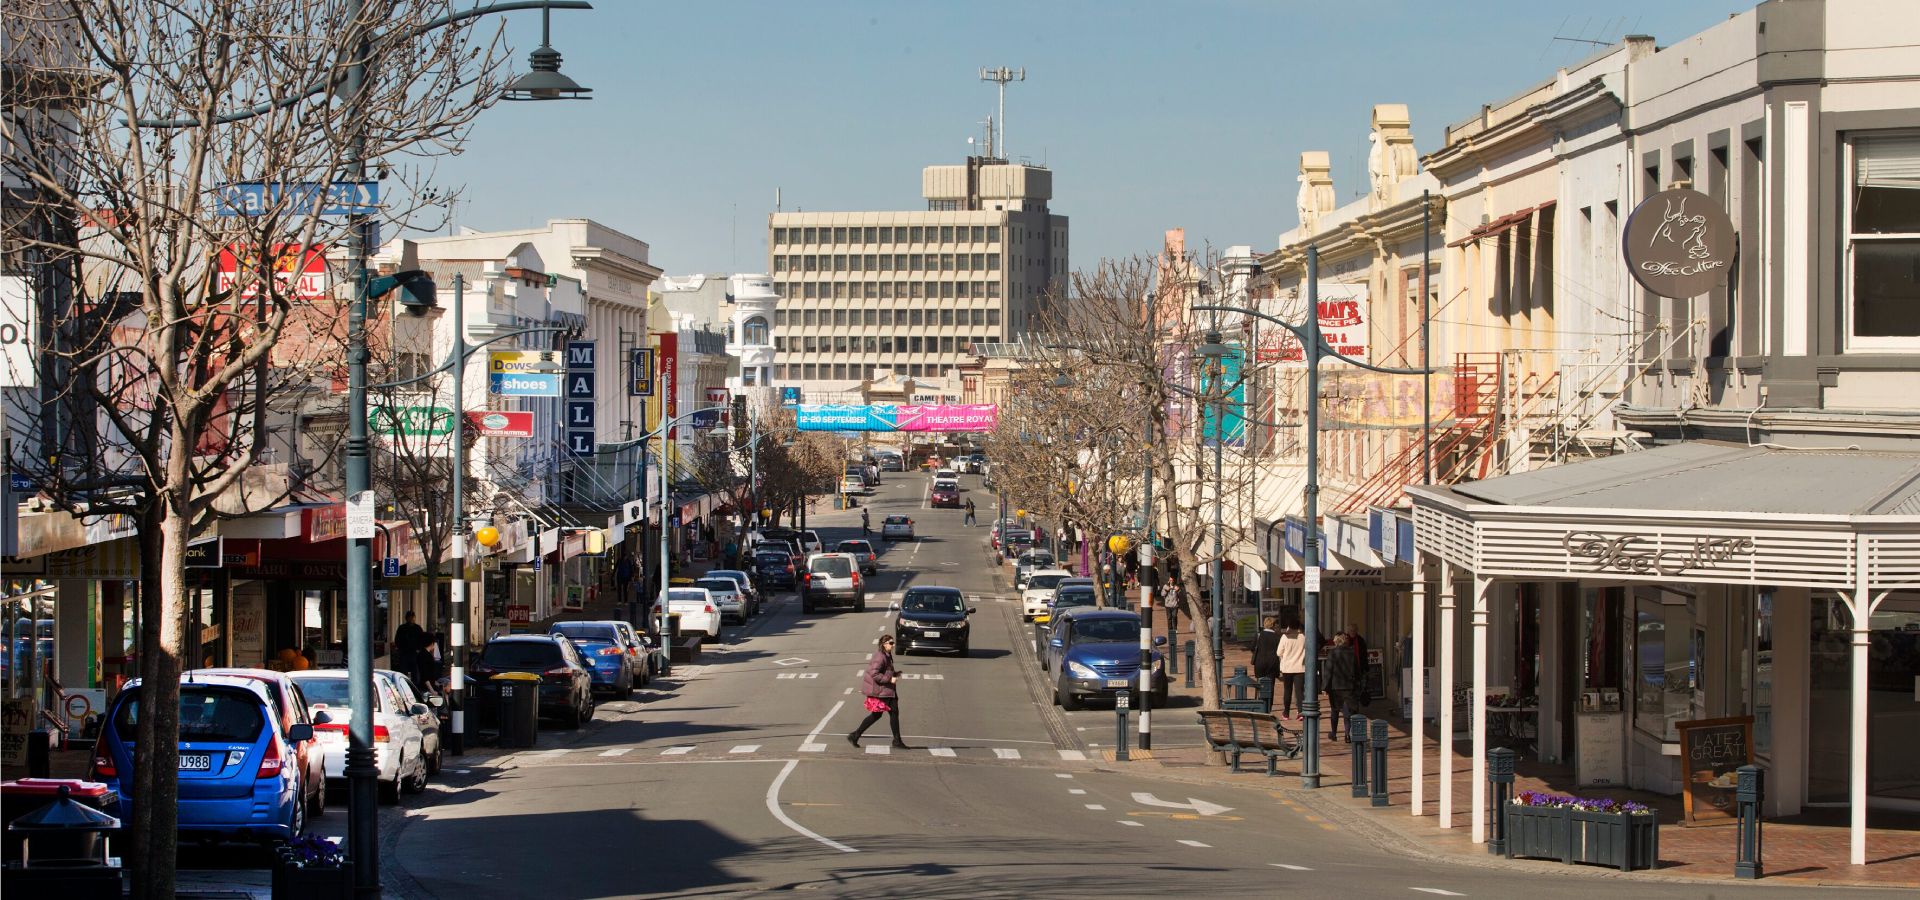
(971, 417)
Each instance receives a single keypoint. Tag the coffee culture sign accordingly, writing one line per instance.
(1679, 243)
(1630, 554)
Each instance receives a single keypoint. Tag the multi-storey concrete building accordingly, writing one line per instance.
(909, 291)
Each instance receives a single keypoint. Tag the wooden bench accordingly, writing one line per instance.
(1235, 732)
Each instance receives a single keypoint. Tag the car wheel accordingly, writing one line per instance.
(1056, 696)
(433, 762)
(572, 718)
(390, 790)
(859, 606)
(417, 783)
(965, 650)
(591, 707)
(1068, 701)
(317, 801)
(626, 693)
(806, 607)
(300, 807)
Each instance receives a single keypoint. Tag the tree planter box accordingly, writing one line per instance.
(315, 883)
(1625, 841)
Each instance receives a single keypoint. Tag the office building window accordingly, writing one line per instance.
(946, 234)
(886, 234)
(993, 234)
(886, 290)
(919, 289)
(913, 262)
(806, 343)
(913, 345)
(872, 344)
(946, 345)
(871, 316)
(886, 345)
(840, 290)
(808, 235)
(979, 262)
(993, 317)
(871, 290)
(946, 289)
(886, 317)
(839, 317)
(869, 233)
(1883, 243)
(946, 317)
(946, 262)
(839, 370)
(779, 235)
(913, 235)
(806, 317)
(806, 371)
(993, 290)
(840, 343)
(913, 317)
(993, 262)
(979, 316)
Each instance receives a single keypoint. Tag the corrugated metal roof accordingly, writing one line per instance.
(1721, 477)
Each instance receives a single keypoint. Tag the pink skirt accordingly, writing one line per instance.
(878, 704)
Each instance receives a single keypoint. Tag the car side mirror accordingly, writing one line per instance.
(1055, 642)
(436, 700)
(300, 733)
(972, 609)
(320, 717)
(418, 709)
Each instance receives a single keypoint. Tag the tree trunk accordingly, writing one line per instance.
(160, 697)
(147, 656)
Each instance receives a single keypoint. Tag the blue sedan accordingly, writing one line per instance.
(608, 652)
(1096, 653)
(239, 775)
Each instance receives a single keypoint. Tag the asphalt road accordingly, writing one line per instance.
(735, 779)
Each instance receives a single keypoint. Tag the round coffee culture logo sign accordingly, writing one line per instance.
(1679, 243)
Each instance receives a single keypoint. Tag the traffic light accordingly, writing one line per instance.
(416, 290)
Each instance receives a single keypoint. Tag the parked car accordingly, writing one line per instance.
(614, 661)
(890, 463)
(863, 552)
(832, 578)
(1028, 563)
(398, 745)
(239, 772)
(746, 585)
(1070, 593)
(853, 484)
(897, 528)
(698, 613)
(1096, 653)
(933, 618)
(566, 682)
(775, 567)
(727, 597)
(1037, 597)
(810, 543)
(292, 706)
(1015, 542)
(421, 710)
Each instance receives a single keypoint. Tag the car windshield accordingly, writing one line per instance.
(834, 566)
(855, 547)
(588, 631)
(1040, 558)
(1074, 597)
(932, 601)
(771, 559)
(896, 520)
(325, 692)
(207, 713)
(686, 595)
(1107, 630)
(718, 585)
(521, 654)
(1044, 581)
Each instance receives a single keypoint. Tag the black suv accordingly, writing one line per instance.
(934, 618)
(566, 681)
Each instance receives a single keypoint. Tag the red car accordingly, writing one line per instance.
(946, 497)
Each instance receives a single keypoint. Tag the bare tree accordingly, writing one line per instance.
(1134, 401)
(144, 113)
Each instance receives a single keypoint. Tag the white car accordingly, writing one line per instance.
(1037, 598)
(698, 613)
(945, 475)
(425, 717)
(398, 745)
(727, 596)
(745, 581)
(810, 543)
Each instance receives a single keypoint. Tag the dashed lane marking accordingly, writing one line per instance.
(1063, 774)
(1096, 807)
(1006, 753)
(813, 747)
(1290, 868)
(878, 749)
(1439, 891)
(1075, 791)
(676, 751)
(1134, 824)
(746, 748)
(940, 751)
(618, 751)
(785, 675)
(1196, 844)
(1072, 755)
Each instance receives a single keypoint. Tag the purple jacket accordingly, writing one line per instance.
(880, 676)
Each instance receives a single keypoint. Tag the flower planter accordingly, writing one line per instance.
(314, 882)
(1621, 840)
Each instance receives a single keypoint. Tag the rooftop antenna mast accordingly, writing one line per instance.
(1002, 76)
(989, 145)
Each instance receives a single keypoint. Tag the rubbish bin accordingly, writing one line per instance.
(673, 630)
(519, 708)
(18, 798)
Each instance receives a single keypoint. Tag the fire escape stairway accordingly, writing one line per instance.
(1458, 444)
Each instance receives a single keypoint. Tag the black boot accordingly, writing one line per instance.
(854, 738)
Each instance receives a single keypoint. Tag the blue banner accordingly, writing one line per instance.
(844, 417)
(1233, 405)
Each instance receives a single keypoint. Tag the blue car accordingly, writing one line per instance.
(613, 656)
(1095, 652)
(240, 771)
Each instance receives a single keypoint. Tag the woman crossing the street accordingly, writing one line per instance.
(882, 697)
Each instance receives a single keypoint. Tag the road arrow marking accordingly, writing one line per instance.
(790, 661)
(1200, 806)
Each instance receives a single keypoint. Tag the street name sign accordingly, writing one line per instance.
(341, 198)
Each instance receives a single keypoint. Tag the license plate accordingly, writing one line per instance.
(195, 762)
(930, 634)
(1116, 682)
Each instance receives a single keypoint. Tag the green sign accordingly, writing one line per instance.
(431, 421)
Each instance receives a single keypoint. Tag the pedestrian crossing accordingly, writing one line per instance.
(811, 748)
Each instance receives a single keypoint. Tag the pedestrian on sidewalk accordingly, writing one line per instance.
(1266, 657)
(882, 696)
(1343, 678)
(1292, 651)
(969, 512)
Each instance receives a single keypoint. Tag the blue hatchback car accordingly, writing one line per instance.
(1095, 652)
(240, 778)
(613, 656)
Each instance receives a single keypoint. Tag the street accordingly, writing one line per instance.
(736, 779)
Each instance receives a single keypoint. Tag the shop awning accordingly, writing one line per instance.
(1508, 221)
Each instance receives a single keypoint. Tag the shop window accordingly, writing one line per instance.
(1883, 244)
(1667, 651)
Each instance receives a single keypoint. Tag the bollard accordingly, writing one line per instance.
(1356, 739)
(1120, 704)
(1379, 779)
(1266, 695)
(1749, 790)
(1189, 664)
(1500, 774)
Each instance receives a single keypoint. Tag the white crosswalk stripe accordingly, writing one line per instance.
(878, 749)
(940, 751)
(745, 748)
(1073, 755)
(618, 751)
(1006, 753)
(676, 751)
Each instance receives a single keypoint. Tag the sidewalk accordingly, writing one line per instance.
(1809, 849)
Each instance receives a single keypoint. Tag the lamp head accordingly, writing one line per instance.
(416, 290)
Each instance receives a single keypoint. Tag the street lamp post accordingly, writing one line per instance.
(1316, 350)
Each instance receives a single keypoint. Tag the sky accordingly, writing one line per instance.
(1152, 115)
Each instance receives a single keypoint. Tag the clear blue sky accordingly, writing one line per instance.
(1152, 114)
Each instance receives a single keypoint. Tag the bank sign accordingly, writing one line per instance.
(523, 373)
(978, 417)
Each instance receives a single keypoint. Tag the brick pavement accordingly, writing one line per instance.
(1811, 848)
